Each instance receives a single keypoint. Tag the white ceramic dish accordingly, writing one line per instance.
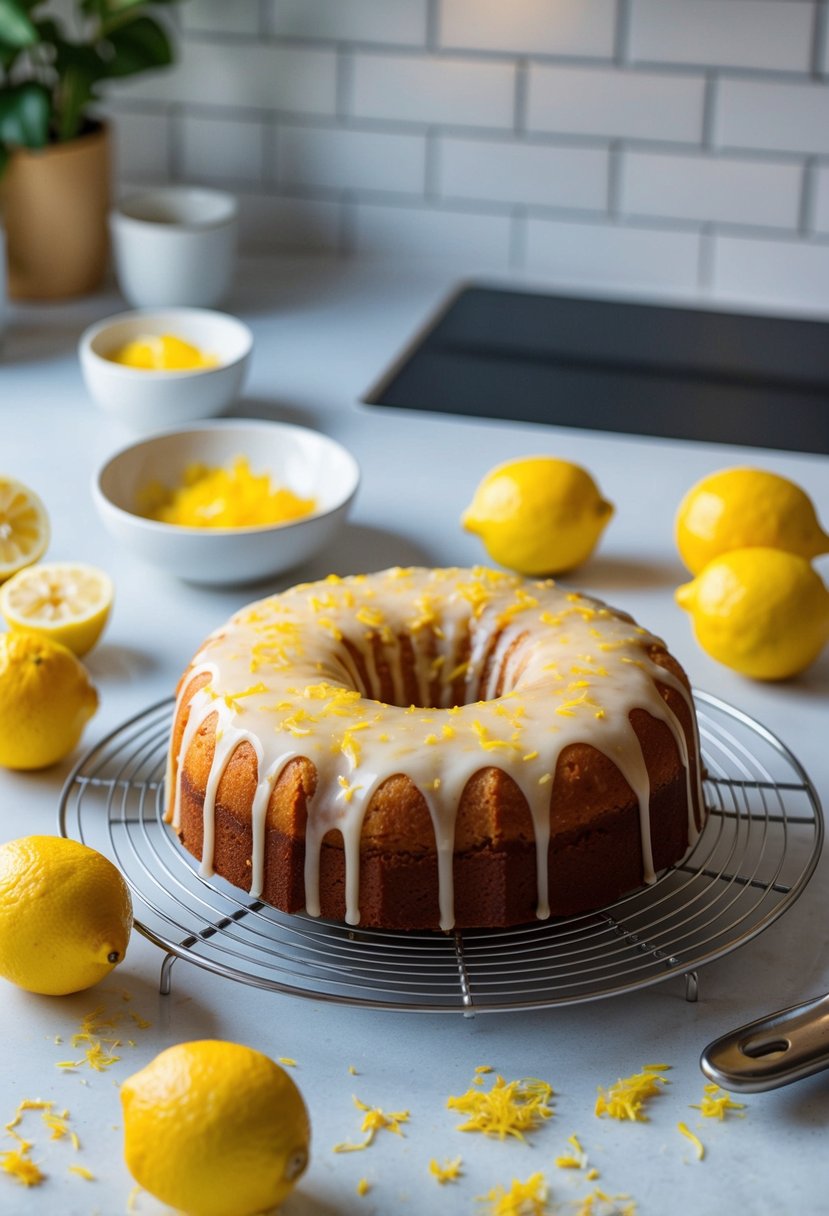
(148, 401)
(307, 462)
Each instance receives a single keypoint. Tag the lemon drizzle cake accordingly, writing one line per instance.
(426, 748)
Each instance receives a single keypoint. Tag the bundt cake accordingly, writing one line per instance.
(434, 748)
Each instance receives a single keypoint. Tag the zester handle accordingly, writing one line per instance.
(772, 1051)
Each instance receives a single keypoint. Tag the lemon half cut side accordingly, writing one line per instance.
(24, 527)
(67, 602)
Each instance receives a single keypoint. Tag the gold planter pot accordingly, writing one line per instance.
(55, 205)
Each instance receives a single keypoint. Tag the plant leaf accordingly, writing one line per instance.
(137, 46)
(79, 69)
(25, 110)
(16, 26)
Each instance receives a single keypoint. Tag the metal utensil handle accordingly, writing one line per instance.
(772, 1051)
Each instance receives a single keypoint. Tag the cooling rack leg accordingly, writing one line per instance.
(691, 986)
(165, 983)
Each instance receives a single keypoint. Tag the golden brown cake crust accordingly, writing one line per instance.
(595, 852)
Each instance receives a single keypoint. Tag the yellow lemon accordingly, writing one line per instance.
(746, 508)
(65, 915)
(24, 527)
(538, 515)
(67, 602)
(215, 1129)
(46, 699)
(763, 612)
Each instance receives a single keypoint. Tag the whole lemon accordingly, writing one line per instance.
(538, 515)
(215, 1129)
(746, 508)
(46, 699)
(65, 915)
(763, 612)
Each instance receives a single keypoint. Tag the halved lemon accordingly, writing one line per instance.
(67, 602)
(24, 527)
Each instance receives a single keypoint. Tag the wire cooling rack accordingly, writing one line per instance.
(759, 849)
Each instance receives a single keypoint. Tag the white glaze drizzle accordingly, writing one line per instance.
(282, 678)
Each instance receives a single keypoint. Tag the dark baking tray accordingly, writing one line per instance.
(607, 365)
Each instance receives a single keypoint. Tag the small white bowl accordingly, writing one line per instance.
(307, 462)
(148, 401)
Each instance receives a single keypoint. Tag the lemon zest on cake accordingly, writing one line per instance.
(716, 1103)
(450, 1171)
(684, 1130)
(509, 1108)
(626, 1098)
(528, 1198)
(348, 790)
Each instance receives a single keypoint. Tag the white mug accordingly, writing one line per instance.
(175, 246)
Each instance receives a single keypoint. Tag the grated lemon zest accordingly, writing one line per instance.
(82, 1172)
(374, 1120)
(232, 497)
(450, 1171)
(363, 1186)
(527, 1198)
(684, 1130)
(576, 1160)
(20, 1166)
(716, 1103)
(598, 1203)
(287, 1061)
(508, 1109)
(626, 1099)
(353, 1070)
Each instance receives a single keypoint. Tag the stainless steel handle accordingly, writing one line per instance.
(772, 1051)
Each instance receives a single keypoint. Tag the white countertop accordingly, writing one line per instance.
(323, 332)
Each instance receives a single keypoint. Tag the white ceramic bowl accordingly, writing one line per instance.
(309, 463)
(148, 401)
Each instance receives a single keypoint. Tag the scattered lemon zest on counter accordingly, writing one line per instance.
(598, 1203)
(363, 1186)
(508, 1109)
(18, 1163)
(82, 1172)
(576, 1160)
(450, 1171)
(684, 1130)
(132, 1198)
(374, 1120)
(287, 1061)
(592, 1174)
(484, 1068)
(353, 1071)
(716, 1103)
(527, 1198)
(626, 1099)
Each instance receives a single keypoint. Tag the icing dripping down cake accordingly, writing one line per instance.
(434, 748)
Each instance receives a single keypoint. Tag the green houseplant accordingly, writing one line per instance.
(50, 77)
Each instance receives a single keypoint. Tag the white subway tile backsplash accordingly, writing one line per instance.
(603, 255)
(431, 234)
(772, 272)
(339, 159)
(821, 216)
(273, 222)
(219, 17)
(252, 74)
(142, 145)
(526, 173)
(773, 115)
(401, 22)
(530, 27)
(224, 149)
(615, 103)
(772, 34)
(725, 189)
(430, 89)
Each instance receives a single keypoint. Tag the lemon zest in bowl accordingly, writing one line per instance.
(162, 353)
(627, 1097)
(510, 1108)
(223, 497)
